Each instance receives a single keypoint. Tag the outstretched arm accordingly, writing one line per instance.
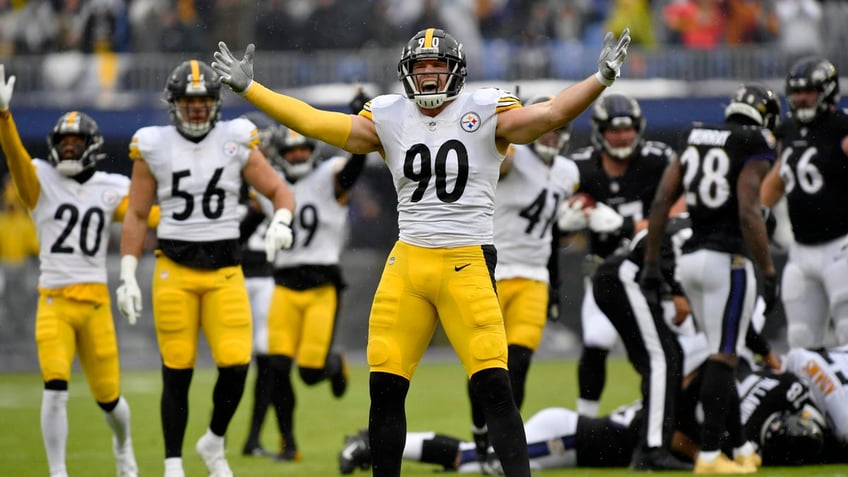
(353, 133)
(17, 157)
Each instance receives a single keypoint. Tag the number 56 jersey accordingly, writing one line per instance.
(197, 183)
(445, 168)
(73, 222)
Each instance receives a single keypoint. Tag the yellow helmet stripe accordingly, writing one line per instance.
(71, 119)
(428, 38)
(195, 74)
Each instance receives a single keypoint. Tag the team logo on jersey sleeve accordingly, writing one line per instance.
(769, 138)
(110, 198)
(470, 122)
(230, 148)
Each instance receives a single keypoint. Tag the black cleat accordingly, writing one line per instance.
(254, 449)
(481, 443)
(355, 453)
(339, 379)
(658, 458)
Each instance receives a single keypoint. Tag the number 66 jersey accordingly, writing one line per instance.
(73, 222)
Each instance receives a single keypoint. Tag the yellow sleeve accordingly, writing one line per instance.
(19, 161)
(121, 212)
(327, 126)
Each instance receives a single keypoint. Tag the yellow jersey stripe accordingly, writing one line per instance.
(428, 38)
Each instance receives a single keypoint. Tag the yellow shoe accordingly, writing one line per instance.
(752, 459)
(722, 465)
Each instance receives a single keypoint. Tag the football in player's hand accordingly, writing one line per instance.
(585, 199)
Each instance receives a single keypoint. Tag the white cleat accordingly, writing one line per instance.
(210, 448)
(125, 458)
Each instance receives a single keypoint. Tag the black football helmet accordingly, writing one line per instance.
(292, 139)
(617, 111)
(432, 44)
(756, 102)
(791, 439)
(271, 136)
(543, 147)
(812, 73)
(193, 78)
(80, 124)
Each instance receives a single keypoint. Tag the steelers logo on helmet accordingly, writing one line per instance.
(74, 144)
(552, 143)
(617, 112)
(193, 94)
(757, 103)
(811, 74)
(428, 86)
(298, 153)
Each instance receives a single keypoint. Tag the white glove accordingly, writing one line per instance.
(612, 57)
(571, 217)
(6, 88)
(279, 233)
(237, 74)
(128, 293)
(604, 219)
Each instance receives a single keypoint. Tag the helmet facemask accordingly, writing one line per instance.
(193, 79)
(431, 89)
(85, 154)
(812, 74)
(617, 111)
(551, 144)
(298, 154)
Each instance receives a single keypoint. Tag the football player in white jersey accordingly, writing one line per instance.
(259, 278)
(534, 180)
(194, 168)
(72, 206)
(443, 147)
(825, 372)
(308, 280)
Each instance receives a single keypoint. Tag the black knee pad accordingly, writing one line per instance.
(108, 406)
(492, 389)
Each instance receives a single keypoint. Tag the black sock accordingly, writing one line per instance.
(174, 408)
(592, 373)
(716, 390)
(442, 450)
(226, 397)
(261, 399)
(387, 423)
(478, 417)
(506, 431)
(282, 395)
(519, 365)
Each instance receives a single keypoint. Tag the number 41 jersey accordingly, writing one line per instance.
(73, 222)
(445, 168)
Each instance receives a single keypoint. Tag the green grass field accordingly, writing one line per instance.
(437, 401)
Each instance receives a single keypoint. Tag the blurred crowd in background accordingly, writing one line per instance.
(45, 26)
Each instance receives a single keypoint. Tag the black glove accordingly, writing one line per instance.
(553, 304)
(358, 102)
(651, 282)
(771, 292)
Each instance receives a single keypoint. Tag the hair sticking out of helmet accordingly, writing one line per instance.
(298, 153)
(812, 74)
(77, 124)
(193, 79)
(616, 111)
(791, 439)
(431, 89)
(757, 103)
(552, 143)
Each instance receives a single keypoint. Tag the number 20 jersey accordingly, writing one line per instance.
(197, 183)
(73, 222)
(445, 168)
